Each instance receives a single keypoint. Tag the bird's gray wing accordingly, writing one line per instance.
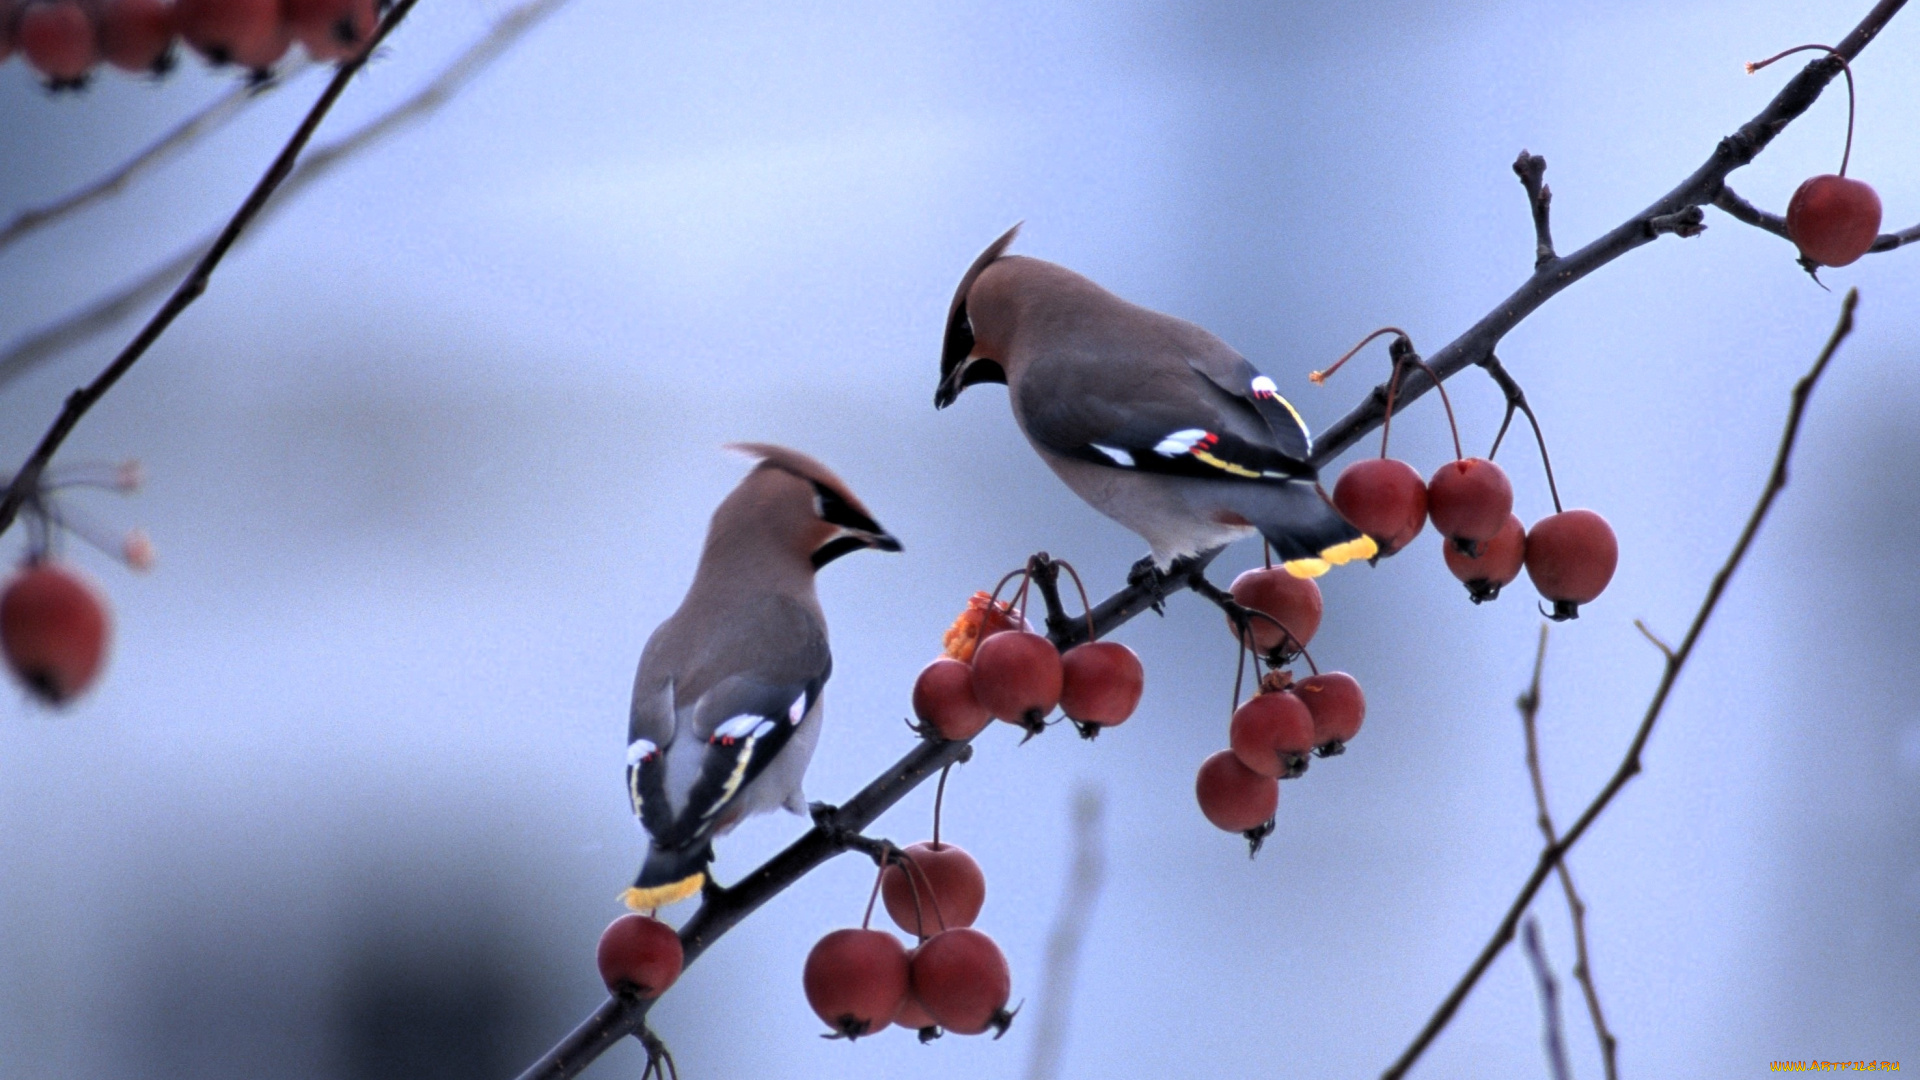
(1238, 379)
(1159, 414)
(748, 722)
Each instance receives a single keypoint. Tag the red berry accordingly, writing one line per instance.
(943, 700)
(961, 978)
(53, 627)
(1234, 797)
(1293, 602)
(856, 980)
(1570, 557)
(57, 39)
(1337, 705)
(1384, 498)
(245, 32)
(1469, 500)
(1497, 564)
(137, 35)
(1272, 733)
(1017, 676)
(1100, 683)
(914, 1015)
(331, 29)
(948, 883)
(1833, 219)
(639, 956)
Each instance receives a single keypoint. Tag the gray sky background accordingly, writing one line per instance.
(436, 453)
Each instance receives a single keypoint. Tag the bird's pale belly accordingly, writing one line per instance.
(1162, 516)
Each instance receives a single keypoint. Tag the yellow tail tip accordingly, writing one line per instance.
(662, 895)
(1307, 568)
(1361, 547)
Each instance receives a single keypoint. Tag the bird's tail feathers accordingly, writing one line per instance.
(668, 877)
(1306, 532)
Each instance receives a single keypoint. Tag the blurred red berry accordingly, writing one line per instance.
(1017, 676)
(1234, 797)
(1469, 501)
(57, 38)
(137, 35)
(1570, 557)
(1100, 683)
(250, 33)
(53, 628)
(331, 29)
(1384, 498)
(943, 700)
(1497, 564)
(1833, 219)
(1337, 705)
(947, 883)
(639, 956)
(1293, 602)
(962, 979)
(856, 980)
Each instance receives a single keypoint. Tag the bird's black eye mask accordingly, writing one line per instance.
(836, 510)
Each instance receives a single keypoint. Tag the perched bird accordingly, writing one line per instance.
(726, 704)
(1152, 420)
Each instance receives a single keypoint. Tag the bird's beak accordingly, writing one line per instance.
(851, 540)
(883, 542)
(949, 387)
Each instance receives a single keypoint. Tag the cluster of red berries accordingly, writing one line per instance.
(1570, 554)
(954, 978)
(65, 40)
(994, 666)
(1831, 218)
(54, 627)
(1273, 732)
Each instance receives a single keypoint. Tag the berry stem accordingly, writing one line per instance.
(939, 797)
(1845, 69)
(874, 895)
(1412, 357)
(1086, 604)
(1319, 377)
(1517, 399)
(913, 867)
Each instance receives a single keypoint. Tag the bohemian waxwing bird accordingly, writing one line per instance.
(726, 704)
(1152, 420)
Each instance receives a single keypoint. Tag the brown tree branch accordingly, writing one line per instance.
(1673, 212)
(1742, 210)
(1630, 765)
(189, 131)
(77, 326)
(1532, 172)
(836, 830)
(189, 290)
(1529, 706)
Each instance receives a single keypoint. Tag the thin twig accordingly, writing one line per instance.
(101, 314)
(719, 912)
(1085, 877)
(1630, 765)
(1532, 171)
(1742, 210)
(189, 131)
(1549, 1001)
(1548, 280)
(195, 284)
(1529, 706)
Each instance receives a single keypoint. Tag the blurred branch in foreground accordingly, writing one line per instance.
(1085, 878)
(1549, 1001)
(208, 120)
(103, 313)
(1675, 660)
